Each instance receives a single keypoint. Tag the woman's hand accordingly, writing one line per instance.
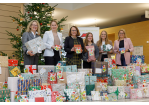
(88, 60)
(73, 49)
(118, 51)
(30, 53)
(53, 47)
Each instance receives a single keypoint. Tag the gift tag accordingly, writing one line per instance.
(59, 74)
(57, 47)
(20, 77)
(103, 68)
(42, 71)
(39, 50)
(98, 70)
(52, 77)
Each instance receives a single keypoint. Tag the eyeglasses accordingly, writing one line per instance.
(103, 34)
(34, 25)
(73, 30)
(121, 33)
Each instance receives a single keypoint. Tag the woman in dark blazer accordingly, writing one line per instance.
(70, 41)
(33, 31)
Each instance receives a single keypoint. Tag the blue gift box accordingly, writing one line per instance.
(27, 75)
(67, 68)
(63, 63)
(74, 68)
(90, 80)
(140, 78)
(57, 70)
(133, 58)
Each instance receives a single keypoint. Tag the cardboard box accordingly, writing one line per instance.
(1, 85)
(5, 74)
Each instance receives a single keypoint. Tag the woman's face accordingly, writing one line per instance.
(73, 31)
(90, 37)
(103, 35)
(34, 26)
(121, 34)
(54, 26)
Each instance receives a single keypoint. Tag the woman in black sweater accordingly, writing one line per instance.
(70, 41)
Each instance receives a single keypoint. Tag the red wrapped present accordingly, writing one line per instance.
(31, 68)
(43, 87)
(52, 78)
(103, 80)
(12, 62)
(54, 95)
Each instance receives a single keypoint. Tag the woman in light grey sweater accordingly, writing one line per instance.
(89, 42)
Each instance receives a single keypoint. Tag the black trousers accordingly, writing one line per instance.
(86, 64)
(52, 60)
(104, 56)
(123, 63)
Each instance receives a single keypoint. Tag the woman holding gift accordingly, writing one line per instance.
(123, 58)
(103, 40)
(53, 42)
(92, 53)
(32, 31)
(73, 58)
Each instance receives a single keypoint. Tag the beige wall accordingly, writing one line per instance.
(6, 23)
(138, 32)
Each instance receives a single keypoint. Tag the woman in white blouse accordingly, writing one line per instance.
(51, 39)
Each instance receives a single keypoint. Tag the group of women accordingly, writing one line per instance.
(52, 38)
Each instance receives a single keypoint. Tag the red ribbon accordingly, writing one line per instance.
(113, 61)
(30, 69)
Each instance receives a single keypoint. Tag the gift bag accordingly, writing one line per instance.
(100, 68)
(59, 87)
(91, 54)
(78, 49)
(52, 78)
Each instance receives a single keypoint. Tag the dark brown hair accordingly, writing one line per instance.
(78, 32)
(86, 41)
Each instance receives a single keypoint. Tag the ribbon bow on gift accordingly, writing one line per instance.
(30, 69)
(116, 92)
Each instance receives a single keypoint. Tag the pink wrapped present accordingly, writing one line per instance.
(136, 93)
(54, 95)
(145, 92)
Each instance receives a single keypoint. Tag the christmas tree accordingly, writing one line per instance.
(33, 11)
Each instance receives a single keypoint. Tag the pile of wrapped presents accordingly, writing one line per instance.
(65, 83)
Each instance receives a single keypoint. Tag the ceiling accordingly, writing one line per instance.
(103, 15)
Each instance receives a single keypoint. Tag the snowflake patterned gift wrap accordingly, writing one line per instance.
(136, 93)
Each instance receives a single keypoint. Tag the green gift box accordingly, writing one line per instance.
(2, 100)
(89, 88)
(120, 74)
(14, 71)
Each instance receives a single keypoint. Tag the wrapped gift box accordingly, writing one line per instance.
(75, 85)
(12, 62)
(89, 88)
(137, 70)
(145, 92)
(120, 83)
(100, 86)
(121, 94)
(64, 79)
(141, 78)
(133, 58)
(67, 68)
(4, 74)
(83, 95)
(35, 45)
(63, 63)
(100, 68)
(88, 72)
(102, 79)
(24, 85)
(112, 97)
(27, 75)
(52, 78)
(136, 93)
(14, 71)
(31, 68)
(73, 77)
(4, 93)
(37, 93)
(95, 95)
(4, 61)
(127, 91)
(59, 87)
(74, 68)
(120, 74)
(90, 80)
(43, 71)
(73, 94)
(111, 62)
(33, 88)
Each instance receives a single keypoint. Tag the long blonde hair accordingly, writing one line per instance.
(86, 41)
(99, 43)
(124, 33)
(29, 25)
